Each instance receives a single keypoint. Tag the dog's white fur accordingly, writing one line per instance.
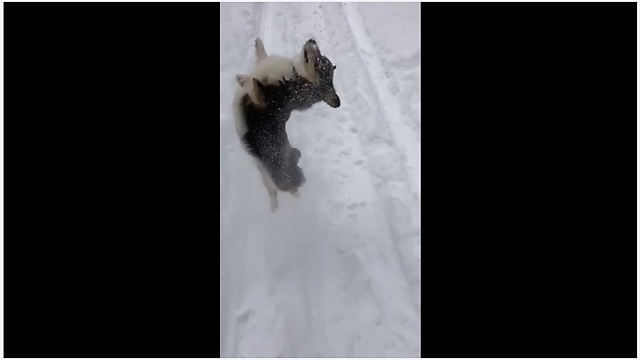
(272, 68)
(269, 70)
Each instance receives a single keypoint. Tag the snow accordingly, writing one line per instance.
(335, 273)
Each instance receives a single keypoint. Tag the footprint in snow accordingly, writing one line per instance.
(355, 205)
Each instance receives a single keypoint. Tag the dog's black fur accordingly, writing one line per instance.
(305, 93)
(266, 137)
(308, 93)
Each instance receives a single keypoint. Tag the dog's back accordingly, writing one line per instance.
(273, 69)
(266, 138)
(269, 71)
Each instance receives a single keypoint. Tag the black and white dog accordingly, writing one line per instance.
(264, 103)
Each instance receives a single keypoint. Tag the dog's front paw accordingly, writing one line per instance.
(294, 156)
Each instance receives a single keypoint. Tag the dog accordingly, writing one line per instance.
(264, 102)
(265, 110)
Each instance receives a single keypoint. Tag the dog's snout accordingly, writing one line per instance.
(333, 101)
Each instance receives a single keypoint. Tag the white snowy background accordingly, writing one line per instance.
(335, 273)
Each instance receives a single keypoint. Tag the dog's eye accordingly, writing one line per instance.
(334, 67)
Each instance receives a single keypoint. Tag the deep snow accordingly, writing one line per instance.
(335, 273)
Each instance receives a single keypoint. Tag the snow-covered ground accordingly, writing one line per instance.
(335, 273)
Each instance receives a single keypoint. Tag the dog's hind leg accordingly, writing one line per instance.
(268, 183)
(273, 199)
(261, 53)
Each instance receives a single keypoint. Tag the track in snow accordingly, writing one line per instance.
(336, 272)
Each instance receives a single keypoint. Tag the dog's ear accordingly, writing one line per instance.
(242, 80)
(259, 86)
(257, 93)
(252, 87)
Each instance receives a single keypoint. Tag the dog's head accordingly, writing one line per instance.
(319, 72)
